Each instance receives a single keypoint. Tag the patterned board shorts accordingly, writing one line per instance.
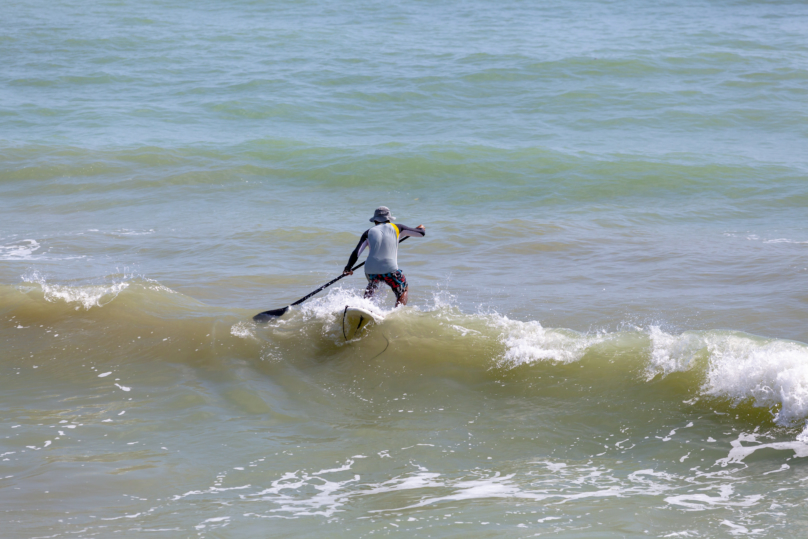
(395, 280)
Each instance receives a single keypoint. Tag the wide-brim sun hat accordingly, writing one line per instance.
(382, 213)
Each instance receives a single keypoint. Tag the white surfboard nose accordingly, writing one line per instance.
(355, 319)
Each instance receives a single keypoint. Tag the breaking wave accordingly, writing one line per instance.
(724, 366)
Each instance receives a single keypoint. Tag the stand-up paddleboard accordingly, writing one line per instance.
(355, 319)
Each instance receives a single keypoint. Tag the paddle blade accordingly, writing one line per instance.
(269, 315)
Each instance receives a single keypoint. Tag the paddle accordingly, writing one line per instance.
(274, 313)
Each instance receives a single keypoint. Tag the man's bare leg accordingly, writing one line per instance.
(402, 300)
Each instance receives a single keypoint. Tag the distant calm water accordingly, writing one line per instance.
(606, 334)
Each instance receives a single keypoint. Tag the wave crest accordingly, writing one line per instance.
(528, 342)
(740, 367)
(86, 296)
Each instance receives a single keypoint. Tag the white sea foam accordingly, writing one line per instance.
(785, 240)
(700, 502)
(86, 296)
(770, 373)
(482, 488)
(755, 237)
(90, 295)
(464, 331)
(328, 306)
(672, 353)
(739, 451)
(383, 302)
(300, 493)
(242, 330)
(19, 250)
(327, 310)
(127, 232)
(528, 342)
(157, 287)
(216, 522)
(327, 498)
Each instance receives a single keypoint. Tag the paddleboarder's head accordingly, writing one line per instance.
(382, 215)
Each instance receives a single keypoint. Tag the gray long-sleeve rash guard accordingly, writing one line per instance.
(383, 242)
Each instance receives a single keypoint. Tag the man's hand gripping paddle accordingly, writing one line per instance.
(275, 313)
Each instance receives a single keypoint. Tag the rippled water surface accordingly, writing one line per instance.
(606, 334)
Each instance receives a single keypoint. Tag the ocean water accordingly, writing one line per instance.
(606, 334)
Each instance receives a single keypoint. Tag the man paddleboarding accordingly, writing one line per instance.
(382, 263)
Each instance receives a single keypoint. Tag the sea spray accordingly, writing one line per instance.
(771, 373)
(81, 296)
(672, 353)
(527, 342)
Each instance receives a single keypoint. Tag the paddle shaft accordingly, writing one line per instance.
(329, 283)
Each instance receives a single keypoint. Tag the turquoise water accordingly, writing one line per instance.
(606, 332)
